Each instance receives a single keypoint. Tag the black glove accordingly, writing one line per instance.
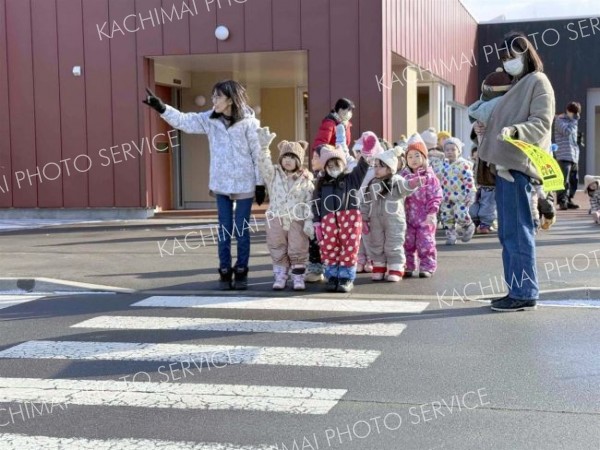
(260, 195)
(154, 102)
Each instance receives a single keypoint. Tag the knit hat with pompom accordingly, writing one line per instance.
(430, 137)
(415, 142)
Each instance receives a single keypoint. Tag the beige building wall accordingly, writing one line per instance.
(279, 113)
(404, 102)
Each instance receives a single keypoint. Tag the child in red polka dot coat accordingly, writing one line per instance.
(336, 215)
(458, 186)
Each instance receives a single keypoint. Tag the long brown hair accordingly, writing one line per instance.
(237, 93)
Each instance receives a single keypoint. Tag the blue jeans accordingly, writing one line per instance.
(516, 232)
(227, 229)
(484, 207)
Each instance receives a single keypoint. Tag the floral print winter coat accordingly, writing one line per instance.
(287, 203)
(425, 200)
(234, 151)
(458, 182)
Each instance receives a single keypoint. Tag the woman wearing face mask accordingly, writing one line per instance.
(339, 115)
(234, 178)
(336, 216)
(525, 112)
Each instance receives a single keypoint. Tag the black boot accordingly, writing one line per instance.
(240, 278)
(225, 279)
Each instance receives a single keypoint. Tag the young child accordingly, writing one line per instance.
(337, 220)
(592, 188)
(483, 210)
(383, 215)
(494, 86)
(458, 188)
(314, 269)
(421, 211)
(289, 217)
(364, 263)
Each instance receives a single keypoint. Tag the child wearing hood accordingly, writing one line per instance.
(337, 220)
(384, 218)
(289, 217)
(458, 187)
(421, 211)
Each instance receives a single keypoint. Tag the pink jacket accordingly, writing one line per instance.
(425, 200)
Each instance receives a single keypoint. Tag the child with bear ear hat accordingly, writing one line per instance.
(289, 217)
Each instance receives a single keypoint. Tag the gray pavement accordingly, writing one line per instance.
(458, 377)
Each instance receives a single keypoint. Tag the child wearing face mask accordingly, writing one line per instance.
(314, 269)
(337, 220)
(458, 187)
(364, 263)
(289, 217)
(421, 211)
(383, 216)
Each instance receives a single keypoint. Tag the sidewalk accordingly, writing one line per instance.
(177, 255)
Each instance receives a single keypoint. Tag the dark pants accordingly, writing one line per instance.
(569, 171)
(314, 252)
(237, 226)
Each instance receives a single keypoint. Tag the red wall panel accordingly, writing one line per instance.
(72, 103)
(315, 39)
(47, 103)
(233, 18)
(345, 54)
(370, 64)
(22, 108)
(6, 178)
(124, 109)
(99, 102)
(287, 29)
(433, 33)
(259, 25)
(149, 42)
(202, 29)
(176, 32)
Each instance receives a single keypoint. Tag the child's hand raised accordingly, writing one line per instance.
(265, 137)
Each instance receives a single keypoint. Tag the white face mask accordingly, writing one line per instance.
(334, 172)
(514, 67)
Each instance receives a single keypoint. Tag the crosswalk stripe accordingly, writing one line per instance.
(291, 400)
(294, 304)
(6, 301)
(23, 442)
(247, 326)
(218, 354)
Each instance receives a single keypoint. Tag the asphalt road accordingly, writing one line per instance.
(415, 365)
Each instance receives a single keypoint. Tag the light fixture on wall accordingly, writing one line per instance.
(77, 71)
(222, 33)
(200, 100)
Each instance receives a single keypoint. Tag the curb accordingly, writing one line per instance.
(43, 285)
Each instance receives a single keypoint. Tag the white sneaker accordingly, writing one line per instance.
(394, 278)
(360, 268)
(450, 237)
(377, 276)
(368, 267)
(298, 280)
(281, 276)
(468, 233)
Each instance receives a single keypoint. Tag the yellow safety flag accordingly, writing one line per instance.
(545, 164)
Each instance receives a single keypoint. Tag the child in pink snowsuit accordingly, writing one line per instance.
(421, 211)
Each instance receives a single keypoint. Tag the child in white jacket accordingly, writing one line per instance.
(289, 217)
